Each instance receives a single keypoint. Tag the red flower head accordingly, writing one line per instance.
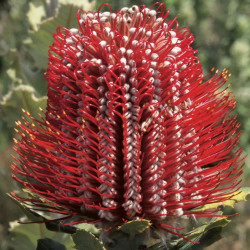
(132, 128)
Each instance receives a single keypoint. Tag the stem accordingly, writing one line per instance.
(41, 231)
(69, 17)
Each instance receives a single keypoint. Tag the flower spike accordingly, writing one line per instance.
(132, 128)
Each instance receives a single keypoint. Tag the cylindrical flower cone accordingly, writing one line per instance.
(132, 129)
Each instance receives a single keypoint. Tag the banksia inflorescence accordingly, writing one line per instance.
(132, 129)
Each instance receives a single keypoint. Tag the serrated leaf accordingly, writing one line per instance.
(49, 244)
(89, 227)
(23, 72)
(86, 240)
(219, 222)
(206, 239)
(18, 97)
(43, 38)
(237, 198)
(11, 73)
(205, 235)
(54, 226)
(31, 215)
(135, 227)
(35, 15)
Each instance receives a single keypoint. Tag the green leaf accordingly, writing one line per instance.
(54, 226)
(43, 38)
(130, 235)
(202, 232)
(23, 72)
(49, 244)
(86, 240)
(240, 196)
(57, 227)
(135, 227)
(206, 235)
(12, 75)
(18, 97)
(31, 215)
(206, 239)
(25, 236)
(35, 15)
(35, 216)
(89, 227)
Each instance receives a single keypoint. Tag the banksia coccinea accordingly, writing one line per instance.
(132, 128)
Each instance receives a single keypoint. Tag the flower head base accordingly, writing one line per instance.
(132, 129)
